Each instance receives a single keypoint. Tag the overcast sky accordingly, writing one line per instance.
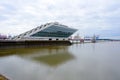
(101, 17)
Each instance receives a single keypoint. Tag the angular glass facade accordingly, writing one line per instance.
(55, 31)
(47, 31)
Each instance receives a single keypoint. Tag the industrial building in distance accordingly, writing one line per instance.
(48, 31)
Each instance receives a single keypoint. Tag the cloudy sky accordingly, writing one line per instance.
(101, 17)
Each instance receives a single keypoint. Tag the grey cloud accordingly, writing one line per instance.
(89, 16)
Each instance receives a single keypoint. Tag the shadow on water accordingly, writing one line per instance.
(51, 55)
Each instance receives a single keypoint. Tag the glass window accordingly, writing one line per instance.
(55, 31)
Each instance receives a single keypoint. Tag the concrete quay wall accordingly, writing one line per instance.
(11, 43)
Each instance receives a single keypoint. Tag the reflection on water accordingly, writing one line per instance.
(37, 63)
(54, 59)
(91, 61)
(52, 56)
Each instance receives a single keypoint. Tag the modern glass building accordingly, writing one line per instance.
(48, 31)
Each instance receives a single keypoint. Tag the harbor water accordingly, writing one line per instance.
(86, 61)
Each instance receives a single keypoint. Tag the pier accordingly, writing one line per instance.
(29, 43)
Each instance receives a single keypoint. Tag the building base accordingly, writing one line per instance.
(28, 43)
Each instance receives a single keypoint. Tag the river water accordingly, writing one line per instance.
(88, 61)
